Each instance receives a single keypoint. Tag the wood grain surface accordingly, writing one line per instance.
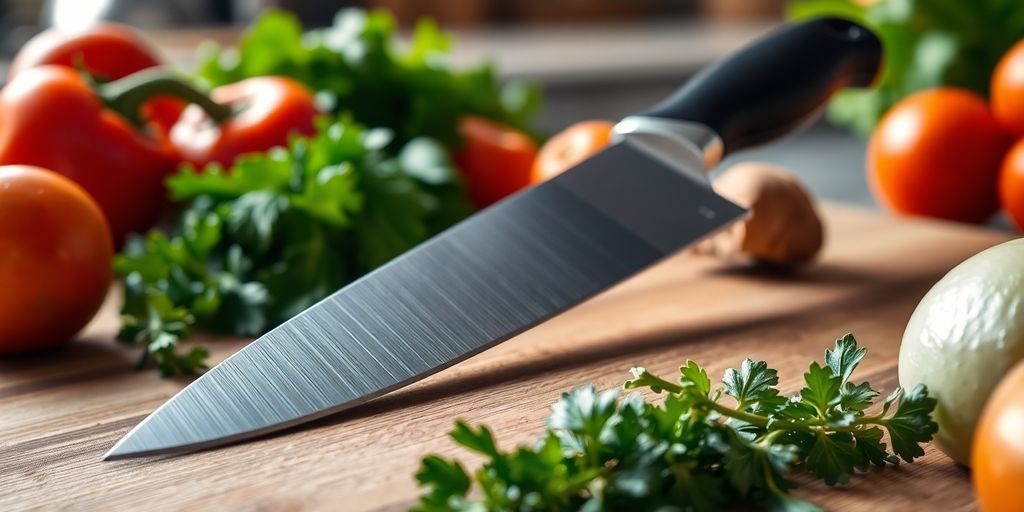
(59, 412)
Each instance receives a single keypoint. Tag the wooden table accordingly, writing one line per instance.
(60, 412)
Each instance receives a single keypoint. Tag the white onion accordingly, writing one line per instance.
(966, 333)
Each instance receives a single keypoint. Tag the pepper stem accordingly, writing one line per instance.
(127, 95)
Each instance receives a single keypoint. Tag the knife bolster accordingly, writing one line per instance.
(690, 147)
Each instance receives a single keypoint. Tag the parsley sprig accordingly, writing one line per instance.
(696, 450)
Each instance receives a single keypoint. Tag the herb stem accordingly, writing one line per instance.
(753, 419)
(758, 420)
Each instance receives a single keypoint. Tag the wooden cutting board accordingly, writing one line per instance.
(60, 412)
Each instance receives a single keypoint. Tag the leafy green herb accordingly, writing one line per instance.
(696, 450)
(278, 232)
(928, 43)
(357, 66)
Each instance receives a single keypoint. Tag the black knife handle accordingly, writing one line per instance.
(776, 84)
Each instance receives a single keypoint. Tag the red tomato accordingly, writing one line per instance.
(937, 153)
(107, 50)
(997, 456)
(56, 258)
(1011, 184)
(495, 159)
(1007, 89)
(570, 147)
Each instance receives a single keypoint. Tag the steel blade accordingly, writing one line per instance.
(479, 283)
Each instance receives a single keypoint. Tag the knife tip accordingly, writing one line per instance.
(126, 448)
(116, 452)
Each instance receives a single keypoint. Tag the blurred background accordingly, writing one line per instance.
(590, 58)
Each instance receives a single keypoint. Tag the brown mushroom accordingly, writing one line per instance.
(782, 227)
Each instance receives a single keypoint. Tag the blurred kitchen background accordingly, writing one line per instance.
(591, 58)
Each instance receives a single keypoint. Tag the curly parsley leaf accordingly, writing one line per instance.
(821, 388)
(833, 457)
(581, 418)
(911, 424)
(844, 357)
(764, 466)
(872, 449)
(856, 396)
(446, 479)
(751, 383)
(696, 376)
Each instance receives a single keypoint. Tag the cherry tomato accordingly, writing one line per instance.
(495, 159)
(1007, 89)
(570, 147)
(997, 457)
(1011, 184)
(56, 258)
(937, 153)
(108, 51)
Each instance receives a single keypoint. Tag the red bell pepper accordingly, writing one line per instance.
(96, 135)
(52, 118)
(107, 51)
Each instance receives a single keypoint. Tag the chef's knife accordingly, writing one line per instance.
(525, 259)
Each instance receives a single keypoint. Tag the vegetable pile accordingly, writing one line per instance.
(278, 231)
(697, 450)
(294, 163)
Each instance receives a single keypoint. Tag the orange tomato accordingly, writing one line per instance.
(1011, 184)
(1007, 89)
(937, 153)
(997, 457)
(495, 159)
(570, 147)
(56, 258)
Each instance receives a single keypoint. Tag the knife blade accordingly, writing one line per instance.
(523, 260)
